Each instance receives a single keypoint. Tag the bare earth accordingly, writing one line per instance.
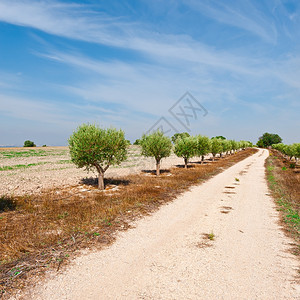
(168, 256)
(53, 169)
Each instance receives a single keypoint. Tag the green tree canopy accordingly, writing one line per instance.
(29, 144)
(297, 150)
(203, 146)
(216, 147)
(185, 148)
(156, 145)
(226, 146)
(179, 135)
(234, 145)
(268, 139)
(221, 137)
(291, 150)
(95, 148)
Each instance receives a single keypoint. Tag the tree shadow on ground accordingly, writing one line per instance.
(7, 203)
(93, 181)
(189, 166)
(153, 172)
(205, 162)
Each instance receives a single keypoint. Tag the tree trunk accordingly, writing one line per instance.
(157, 168)
(213, 159)
(202, 159)
(100, 181)
(185, 163)
(220, 155)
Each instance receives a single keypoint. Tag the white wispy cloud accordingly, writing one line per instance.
(143, 87)
(167, 66)
(33, 110)
(77, 22)
(242, 14)
(8, 79)
(67, 20)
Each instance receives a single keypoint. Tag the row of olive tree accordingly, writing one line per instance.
(93, 147)
(199, 146)
(159, 146)
(289, 151)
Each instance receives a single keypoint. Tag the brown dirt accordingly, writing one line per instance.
(166, 255)
(53, 169)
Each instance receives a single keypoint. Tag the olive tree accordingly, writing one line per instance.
(203, 146)
(93, 147)
(297, 146)
(186, 148)
(290, 151)
(226, 146)
(156, 145)
(280, 147)
(179, 135)
(216, 147)
(234, 145)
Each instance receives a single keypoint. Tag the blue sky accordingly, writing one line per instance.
(125, 63)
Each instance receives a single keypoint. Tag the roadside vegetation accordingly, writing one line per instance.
(41, 231)
(283, 177)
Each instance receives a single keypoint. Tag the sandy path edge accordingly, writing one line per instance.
(167, 257)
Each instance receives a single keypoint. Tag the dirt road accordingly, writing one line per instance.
(169, 255)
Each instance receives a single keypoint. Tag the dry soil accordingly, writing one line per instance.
(220, 240)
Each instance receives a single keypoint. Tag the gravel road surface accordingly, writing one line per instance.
(169, 255)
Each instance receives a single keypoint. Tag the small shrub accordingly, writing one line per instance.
(211, 236)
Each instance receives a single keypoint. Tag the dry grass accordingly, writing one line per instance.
(284, 182)
(41, 232)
